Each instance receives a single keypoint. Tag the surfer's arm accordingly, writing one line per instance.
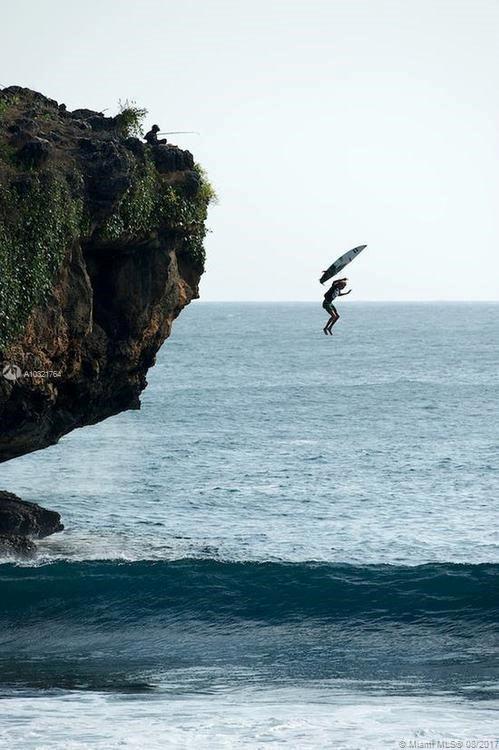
(344, 294)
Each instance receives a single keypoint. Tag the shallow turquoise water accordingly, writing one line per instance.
(169, 605)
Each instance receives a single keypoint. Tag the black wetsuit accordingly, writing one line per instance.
(330, 295)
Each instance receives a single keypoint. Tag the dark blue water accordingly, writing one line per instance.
(294, 542)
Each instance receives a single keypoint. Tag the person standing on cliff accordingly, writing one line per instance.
(335, 290)
(152, 137)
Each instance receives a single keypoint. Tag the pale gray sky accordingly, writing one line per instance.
(325, 124)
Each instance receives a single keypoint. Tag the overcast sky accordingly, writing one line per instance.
(324, 124)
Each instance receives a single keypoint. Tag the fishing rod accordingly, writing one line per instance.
(179, 132)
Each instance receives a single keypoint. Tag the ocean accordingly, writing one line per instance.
(293, 544)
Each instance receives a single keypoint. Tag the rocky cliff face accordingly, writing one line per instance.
(100, 249)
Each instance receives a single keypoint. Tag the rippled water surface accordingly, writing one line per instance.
(293, 542)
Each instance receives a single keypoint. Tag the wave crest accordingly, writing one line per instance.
(107, 592)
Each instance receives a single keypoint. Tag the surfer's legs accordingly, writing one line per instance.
(330, 324)
(331, 310)
(332, 320)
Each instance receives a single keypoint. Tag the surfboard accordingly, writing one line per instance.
(340, 263)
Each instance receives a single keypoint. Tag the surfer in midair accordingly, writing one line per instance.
(335, 290)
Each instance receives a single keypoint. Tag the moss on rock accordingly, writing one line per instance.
(40, 218)
(153, 201)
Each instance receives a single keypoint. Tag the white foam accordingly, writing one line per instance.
(305, 718)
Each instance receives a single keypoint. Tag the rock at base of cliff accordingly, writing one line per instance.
(15, 545)
(21, 518)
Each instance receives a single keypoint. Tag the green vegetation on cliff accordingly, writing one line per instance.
(39, 220)
(154, 202)
(130, 118)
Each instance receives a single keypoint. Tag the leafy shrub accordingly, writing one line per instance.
(129, 119)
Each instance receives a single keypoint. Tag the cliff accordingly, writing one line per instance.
(101, 246)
